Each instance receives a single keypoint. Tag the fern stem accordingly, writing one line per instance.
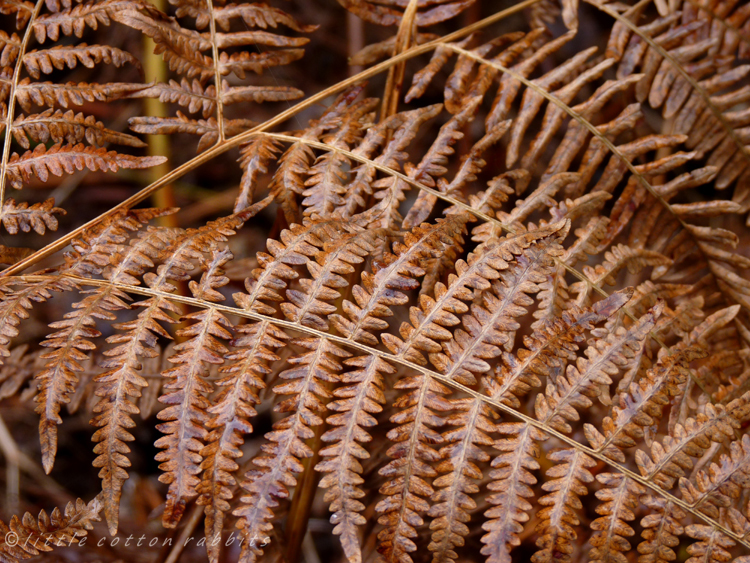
(406, 31)
(183, 538)
(217, 73)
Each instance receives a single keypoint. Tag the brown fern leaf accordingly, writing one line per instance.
(24, 217)
(670, 459)
(307, 306)
(549, 348)
(276, 466)
(411, 467)
(431, 13)
(566, 483)
(357, 401)
(120, 385)
(185, 420)
(511, 478)
(254, 15)
(620, 501)
(181, 48)
(68, 94)
(208, 129)
(661, 530)
(395, 274)
(402, 128)
(510, 487)
(47, 61)
(16, 304)
(325, 188)
(720, 486)
(641, 406)
(430, 167)
(403, 506)
(254, 159)
(297, 246)
(33, 536)
(74, 20)
(712, 545)
(513, 267)
(190, 95)
(294, 164)
(94, 250)
(10, 46)
(201, 56)
(618, 257)
(609, 353)
(458, 468)
(554, 296)
(58, 379)
(374, 52)
(21, 8)
(59, 127)
(311, 305)
(66, 159)
(244, 371)
(709, 113)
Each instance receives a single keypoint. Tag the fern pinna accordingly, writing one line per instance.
(500, 314)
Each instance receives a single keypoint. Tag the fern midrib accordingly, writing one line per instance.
(458, 463)
(513, 492)
(556, 516)
(394, 556)
(184, 420)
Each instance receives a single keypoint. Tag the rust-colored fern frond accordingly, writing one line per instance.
(488, 302)
(208, 52)
(23, 538)
(52, 142)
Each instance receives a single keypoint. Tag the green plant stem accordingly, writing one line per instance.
(155, 70)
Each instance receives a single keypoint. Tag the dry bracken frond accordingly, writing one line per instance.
(501, 315)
